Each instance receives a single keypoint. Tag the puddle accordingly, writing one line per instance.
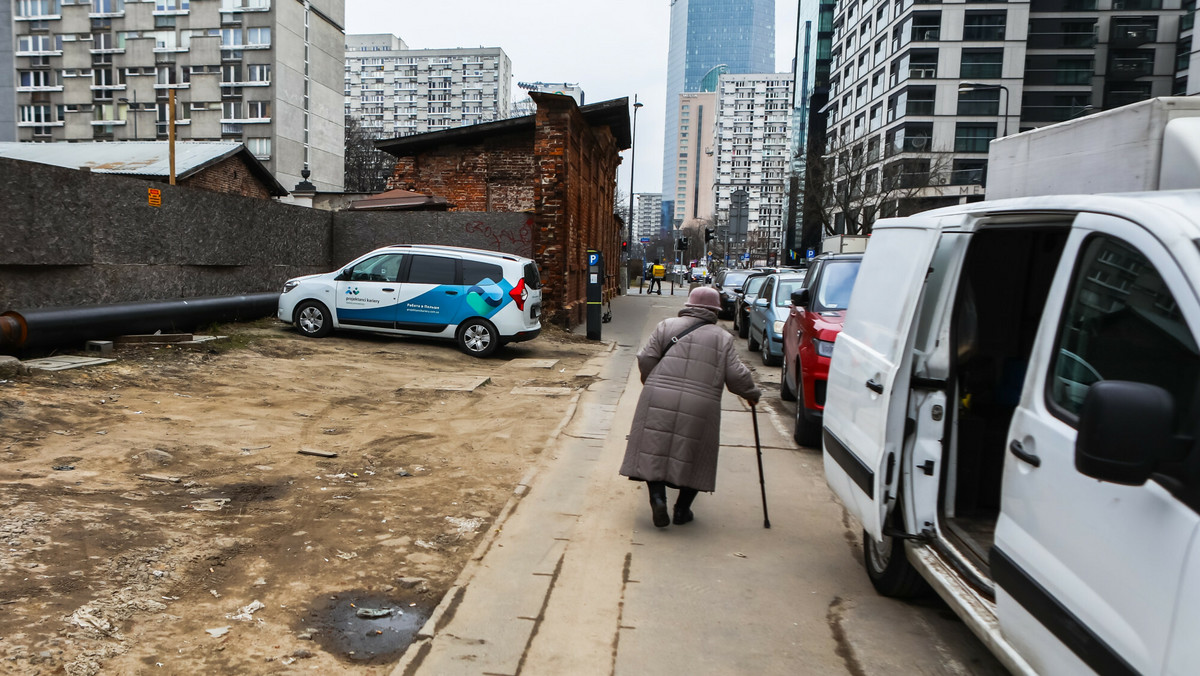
(341, 631)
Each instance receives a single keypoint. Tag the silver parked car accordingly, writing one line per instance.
(768, 312)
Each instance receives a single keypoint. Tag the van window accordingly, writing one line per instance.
(1121, 323)
(532, 279)
(432, 270)
(476, 272)
(384, 268)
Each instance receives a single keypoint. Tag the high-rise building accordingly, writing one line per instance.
(647, 215)
(918, 90)
(706, 34)
(396, 91)
(696, 160)
(753, 150)
(261, 72)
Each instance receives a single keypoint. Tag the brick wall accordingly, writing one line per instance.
(494, 175)
(231, 176)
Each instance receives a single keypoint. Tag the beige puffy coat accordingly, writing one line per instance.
(676, 430)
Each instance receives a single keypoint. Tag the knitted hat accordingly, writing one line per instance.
(704, 297)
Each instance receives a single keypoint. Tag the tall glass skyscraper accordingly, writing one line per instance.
(705, 33)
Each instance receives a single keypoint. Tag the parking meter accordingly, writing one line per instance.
(595, 293)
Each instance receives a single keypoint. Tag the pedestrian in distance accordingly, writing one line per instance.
(657, 272)
(685, 365)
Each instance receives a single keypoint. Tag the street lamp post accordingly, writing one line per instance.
(981, 86)
(624, 274)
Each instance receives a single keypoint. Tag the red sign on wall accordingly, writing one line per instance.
(155, 198)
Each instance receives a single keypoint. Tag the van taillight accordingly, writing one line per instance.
(519, 294)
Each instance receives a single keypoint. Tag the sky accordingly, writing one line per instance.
(611, 49)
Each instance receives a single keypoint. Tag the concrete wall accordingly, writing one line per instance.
(78, 238)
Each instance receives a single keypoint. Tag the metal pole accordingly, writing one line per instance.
(171, 131)
(632, 166)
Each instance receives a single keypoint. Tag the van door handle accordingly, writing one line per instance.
(389, 290)
(1019, 451)
(451, 293)
(875, 386)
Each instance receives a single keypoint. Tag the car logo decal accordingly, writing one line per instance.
(352, 291)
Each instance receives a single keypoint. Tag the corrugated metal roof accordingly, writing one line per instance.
(139, 158)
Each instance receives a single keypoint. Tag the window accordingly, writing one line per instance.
(260, 37)
(258, 110)
(979, 102)
(983, 26)
(32, 8)
(383, 268)
(231, 110)
(1122, 323)
(231, 73)
(170, 5)
(231, 37)
(108, 6)
(432, 270)
(973, 138)
(981, 63)
(477, 272)
(36, 79)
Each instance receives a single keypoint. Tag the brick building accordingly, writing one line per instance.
(559, 165)
(216, 166)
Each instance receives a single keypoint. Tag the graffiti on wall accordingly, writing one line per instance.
(505, 239)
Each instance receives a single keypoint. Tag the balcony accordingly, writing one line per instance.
(1125, 37)
(1119, 69)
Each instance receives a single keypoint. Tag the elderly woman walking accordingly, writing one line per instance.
(685, 365)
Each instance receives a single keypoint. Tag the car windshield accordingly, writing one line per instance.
(751, 288)
(783, 292)
(735, 277)
(837, 281)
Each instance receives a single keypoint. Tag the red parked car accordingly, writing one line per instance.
(813, 323)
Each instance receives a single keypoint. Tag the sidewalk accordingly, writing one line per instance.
(576, 580)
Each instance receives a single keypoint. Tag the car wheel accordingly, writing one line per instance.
(888, 566)
(752, 344)
(785, 390)
(313, 320)
(477, 337)
(743, 328)
(768, 359)
(806, 433)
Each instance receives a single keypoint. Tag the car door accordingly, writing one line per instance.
(869, 372)
(367, 292)
(431, 295)
(1087, 572)
(760, 311)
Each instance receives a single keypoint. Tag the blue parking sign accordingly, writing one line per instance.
(811, 254)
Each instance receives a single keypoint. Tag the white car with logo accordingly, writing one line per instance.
(480, 299)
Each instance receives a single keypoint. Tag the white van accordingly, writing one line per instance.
(1011, 414)
(481, 299)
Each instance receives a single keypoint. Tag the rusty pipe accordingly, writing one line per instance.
(46, 327)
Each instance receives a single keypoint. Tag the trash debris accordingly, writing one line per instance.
(465, 526)
(213, 591)
(245, 613)
(320, 454)
(739, 555)
(346, 555)
(401, 472)
(158, 573)
(256, 448)
(160, 477)
(209, 504)
(219, 631)
(375, 613)
(64, 468)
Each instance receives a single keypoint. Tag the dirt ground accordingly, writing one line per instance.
(259, 560)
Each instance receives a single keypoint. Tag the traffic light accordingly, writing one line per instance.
(709, 234)
(624, 245)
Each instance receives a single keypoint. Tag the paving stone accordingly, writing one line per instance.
(543, 391)
(447, 383)
(64, 362)
(533, 363)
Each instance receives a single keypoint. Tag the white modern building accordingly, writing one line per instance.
(647, 216)
(264, 72)
(396, 91)
(753, 146)
(525, 105)
(695, 158)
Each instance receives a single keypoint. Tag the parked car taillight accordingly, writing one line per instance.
(519, 294)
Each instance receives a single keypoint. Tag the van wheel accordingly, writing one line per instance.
(888, 567)
(806, 433)
(751, 343)
(478, 338)
(785, 390)
(313, 320)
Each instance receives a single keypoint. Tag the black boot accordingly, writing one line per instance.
(683, 506)
(658, 503)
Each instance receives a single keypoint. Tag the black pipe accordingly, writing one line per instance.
(45, 327)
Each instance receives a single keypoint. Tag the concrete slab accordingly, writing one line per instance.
(64, 362)
(543, 391)
(532, 363)
(448, 383)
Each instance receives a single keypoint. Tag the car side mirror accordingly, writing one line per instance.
(1124, 431)
(343, 276)
(800, 298)
(760, 302)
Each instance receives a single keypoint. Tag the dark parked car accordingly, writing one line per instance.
(729, 283)
(741, 310)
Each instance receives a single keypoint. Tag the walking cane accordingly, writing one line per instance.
(761, 481)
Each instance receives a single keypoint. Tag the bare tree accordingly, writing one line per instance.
(860, 181)
(367, 168)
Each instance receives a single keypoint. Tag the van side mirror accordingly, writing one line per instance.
(800, 298)
(1124, 431)
(344, 275)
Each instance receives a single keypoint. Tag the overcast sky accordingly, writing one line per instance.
(611, 49)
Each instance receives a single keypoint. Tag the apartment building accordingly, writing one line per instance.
(695, 158)
(647, 215)
(753, 149)
(396, 91)
(257, 71)
(918, 89)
